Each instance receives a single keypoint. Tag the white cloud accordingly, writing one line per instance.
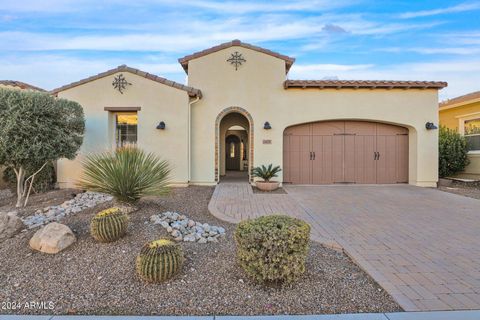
(435, 51)
(454, 9)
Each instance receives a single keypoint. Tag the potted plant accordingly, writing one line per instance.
(266, 173)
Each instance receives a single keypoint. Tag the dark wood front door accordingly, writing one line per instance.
(232, 156)
(345, 152)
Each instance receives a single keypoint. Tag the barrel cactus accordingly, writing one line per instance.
(159, 260)
(109, 225)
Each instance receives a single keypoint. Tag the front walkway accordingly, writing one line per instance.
(421, 245)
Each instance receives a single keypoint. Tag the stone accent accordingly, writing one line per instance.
(81, 202)
(10, 225)
(52, 238)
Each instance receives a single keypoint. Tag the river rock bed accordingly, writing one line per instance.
(81, 202)
(181, 228)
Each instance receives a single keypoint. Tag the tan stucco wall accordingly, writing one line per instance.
(158, 102)
(449, 117)
(257, 87)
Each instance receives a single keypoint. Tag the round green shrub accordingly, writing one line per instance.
(274, 248)
(44, 180)
(452, 151)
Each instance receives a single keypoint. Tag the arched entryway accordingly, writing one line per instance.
(362, 152)
(234, 145)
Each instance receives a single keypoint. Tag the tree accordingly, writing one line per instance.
(452, 150)
(37, 129)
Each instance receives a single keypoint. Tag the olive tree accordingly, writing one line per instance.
(36, 129)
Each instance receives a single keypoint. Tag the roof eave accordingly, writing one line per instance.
(192, 92)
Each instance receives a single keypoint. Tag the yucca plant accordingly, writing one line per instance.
(266, 173)
(127, 174)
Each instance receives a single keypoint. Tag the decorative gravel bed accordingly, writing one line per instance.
(95, 278)
(467, 191)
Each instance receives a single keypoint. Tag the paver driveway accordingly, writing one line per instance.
(422, 245)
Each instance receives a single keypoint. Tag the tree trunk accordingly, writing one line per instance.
(20, 187)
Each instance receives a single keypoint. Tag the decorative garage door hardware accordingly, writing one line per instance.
(345, 152)
(120, 83)
(236, 59)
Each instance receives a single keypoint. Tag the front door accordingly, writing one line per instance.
(232, 149)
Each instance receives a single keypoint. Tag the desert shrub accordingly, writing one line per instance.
(266, 173)
(109, 225)
(452, 151)
(159, 260)
(36, 129)
(44, 180)
(273, 248)
(127, 174)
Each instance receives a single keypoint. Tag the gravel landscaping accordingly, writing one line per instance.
(463, 190)
(99, 278)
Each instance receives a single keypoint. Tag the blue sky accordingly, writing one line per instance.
(50, 43)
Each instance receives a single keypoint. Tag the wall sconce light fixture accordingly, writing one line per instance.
(267, 126)
(430, 126)
(161, 125)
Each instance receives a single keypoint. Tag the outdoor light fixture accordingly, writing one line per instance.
(161, 125)
(267, 126)
(430, 126)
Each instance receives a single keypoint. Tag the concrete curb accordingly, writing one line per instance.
(433, 315)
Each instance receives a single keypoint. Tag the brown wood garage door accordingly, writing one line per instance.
(345, 152)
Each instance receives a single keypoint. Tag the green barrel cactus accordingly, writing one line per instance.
(159, 260)
(109, 225)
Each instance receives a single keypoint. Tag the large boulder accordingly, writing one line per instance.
(10, 225)
(52, 238)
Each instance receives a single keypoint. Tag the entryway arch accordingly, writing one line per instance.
(346, 151)
(230, 122)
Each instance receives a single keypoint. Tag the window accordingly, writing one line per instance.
(126, 124)
(472, 133)
(232, 149)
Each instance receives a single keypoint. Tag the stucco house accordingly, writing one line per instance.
(463, 114)
(240, 110)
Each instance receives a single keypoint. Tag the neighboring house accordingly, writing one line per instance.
(11, 84)
(16, 85)
(463, 114)
(239, 111)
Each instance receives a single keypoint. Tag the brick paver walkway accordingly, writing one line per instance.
(421, 245)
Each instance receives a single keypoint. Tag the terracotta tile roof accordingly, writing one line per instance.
(184, 61)
(21, 85)
(360, 84)
(465, 98)
(192, 92)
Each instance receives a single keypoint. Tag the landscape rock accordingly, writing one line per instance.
(181, 228)
(81, 202)
(52, 238)
(10, 225)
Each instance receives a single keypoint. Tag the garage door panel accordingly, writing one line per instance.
(384, 129)
(300, 167)
(346, 151)
(349, 158)
(365, 166)
(287, 168)
(328, 128)
(338, 142)
(402, 158)
(361, 128)
(322, 163)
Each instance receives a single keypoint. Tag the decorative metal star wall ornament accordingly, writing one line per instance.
(120, 83)
(236, 59)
